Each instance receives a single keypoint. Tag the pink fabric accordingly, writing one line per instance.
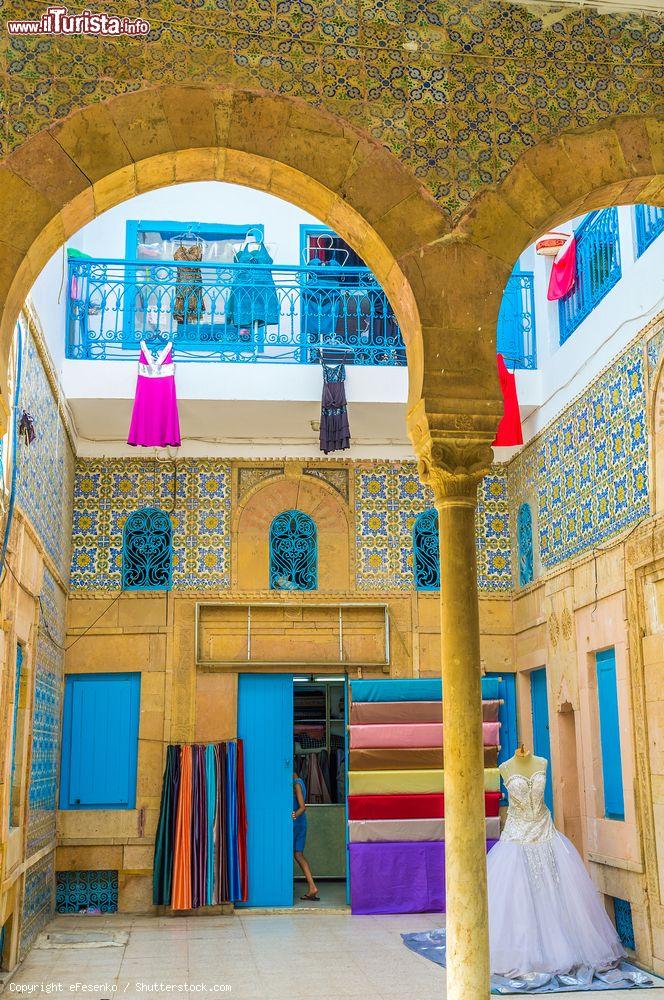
(154, 420)
(563, 272)
(417, 735)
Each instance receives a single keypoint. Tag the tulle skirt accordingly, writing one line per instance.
(545, 914)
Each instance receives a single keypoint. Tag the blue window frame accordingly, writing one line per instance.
(649, 221)
(609, 730)
(100, 741)
(515, 331)
(524, 532)
(147, 550)
(426, 551)
(597, 269)
(293, 552)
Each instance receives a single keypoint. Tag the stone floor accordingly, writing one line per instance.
(303, 955)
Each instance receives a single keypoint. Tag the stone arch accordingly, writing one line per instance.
(64, 176)
(656, 435)
(256, 512)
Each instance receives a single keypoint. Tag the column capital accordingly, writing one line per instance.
(452, 460)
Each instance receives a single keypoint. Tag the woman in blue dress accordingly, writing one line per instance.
(300, 835)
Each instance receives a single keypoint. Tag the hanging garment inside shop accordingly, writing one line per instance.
(200, 856)
(189, 306)
(253, 297)
(334, 426)
(154, 421)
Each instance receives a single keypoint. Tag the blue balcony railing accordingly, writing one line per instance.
(597, 269)
(229, 312)
(649, 224)
(515, 334)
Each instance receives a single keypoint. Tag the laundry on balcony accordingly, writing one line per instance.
(253, 297)
(189, 305)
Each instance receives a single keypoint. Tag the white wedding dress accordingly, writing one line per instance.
(545, 914)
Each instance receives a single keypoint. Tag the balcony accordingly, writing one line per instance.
(515, 333)
(229, 312)
(649, 224)
(598, 269)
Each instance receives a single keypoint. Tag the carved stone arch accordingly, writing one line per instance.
(251, 531)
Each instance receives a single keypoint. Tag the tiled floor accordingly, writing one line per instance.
(300, 955)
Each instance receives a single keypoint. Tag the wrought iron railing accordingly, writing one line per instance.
(649, 224)
(229, 312)
(515, 334)
(597, 269)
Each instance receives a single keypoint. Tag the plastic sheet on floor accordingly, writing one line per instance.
(431, 945)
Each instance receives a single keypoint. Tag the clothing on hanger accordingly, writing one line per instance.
(334, 426)
(154, 421)
(189, 297)
(253, 296)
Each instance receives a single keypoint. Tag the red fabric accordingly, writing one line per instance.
(509, 429)
(242, 824)
(563, 272)
(409, 806)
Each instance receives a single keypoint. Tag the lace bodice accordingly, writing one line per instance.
(528, 819)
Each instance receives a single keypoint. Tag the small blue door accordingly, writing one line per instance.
(265, 723)
(541, 739)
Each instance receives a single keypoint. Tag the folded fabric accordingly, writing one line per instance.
(388, 782)
(412, 689)
(409, 806)
(407, 758)
(398, 878)
(376, 831)
(369, 713)
(421, 734)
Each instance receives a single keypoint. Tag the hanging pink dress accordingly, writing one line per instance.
(154, 421)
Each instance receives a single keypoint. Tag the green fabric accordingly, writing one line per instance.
(72, 252)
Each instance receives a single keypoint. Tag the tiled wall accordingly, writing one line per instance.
(197, 493)
(49, 670)
(586, 475)
(45, 468)
(38, 901)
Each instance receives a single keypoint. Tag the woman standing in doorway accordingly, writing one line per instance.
(300, 835)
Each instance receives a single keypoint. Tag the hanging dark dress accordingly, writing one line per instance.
(189, 303)
(334, 427)
(162, 876)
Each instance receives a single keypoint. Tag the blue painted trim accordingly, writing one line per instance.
(508, 718)
(598, 269)
(516, 337)
(609, 727)
(307, 230)
(649, 224)
(72, 735)
(17, 695)
(541, 733)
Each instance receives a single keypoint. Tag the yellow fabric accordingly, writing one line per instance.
(407, 782)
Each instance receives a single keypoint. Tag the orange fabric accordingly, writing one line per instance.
(181, 894)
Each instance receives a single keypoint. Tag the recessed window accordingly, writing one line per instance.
(524, 531)
(147, 551)
(293, 552)
(426, 551)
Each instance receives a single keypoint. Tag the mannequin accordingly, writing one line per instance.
(524, 763)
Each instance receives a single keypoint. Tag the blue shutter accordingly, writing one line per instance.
(265, 723)
(609, 729)
(100, 741)
(541, 738)
(508, 721)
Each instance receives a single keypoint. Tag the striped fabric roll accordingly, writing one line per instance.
(376, 831)
(407, 758)
(396, 782)
(370, 713)
(425, 734)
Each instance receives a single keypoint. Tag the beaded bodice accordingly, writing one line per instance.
(528, 819)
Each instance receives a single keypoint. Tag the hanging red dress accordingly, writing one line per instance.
(563, 272)
(509, 429)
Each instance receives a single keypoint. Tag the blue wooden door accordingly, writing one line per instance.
(609, 730)
(265, 723)
(541, 738)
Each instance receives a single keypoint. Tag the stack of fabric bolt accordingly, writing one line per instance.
(396, 805)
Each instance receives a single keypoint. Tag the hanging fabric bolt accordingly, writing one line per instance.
(155, 422)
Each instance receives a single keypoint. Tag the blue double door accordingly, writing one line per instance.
(541, 734)
(265, 723)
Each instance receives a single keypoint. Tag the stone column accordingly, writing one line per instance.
(454, 470)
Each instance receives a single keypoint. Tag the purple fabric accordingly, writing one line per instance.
(154, 420)
(398, 878)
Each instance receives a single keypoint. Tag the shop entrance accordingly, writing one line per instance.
(294, 723)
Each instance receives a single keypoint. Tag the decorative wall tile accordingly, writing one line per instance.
(49, 676)
(38, 898)
(45, 468)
